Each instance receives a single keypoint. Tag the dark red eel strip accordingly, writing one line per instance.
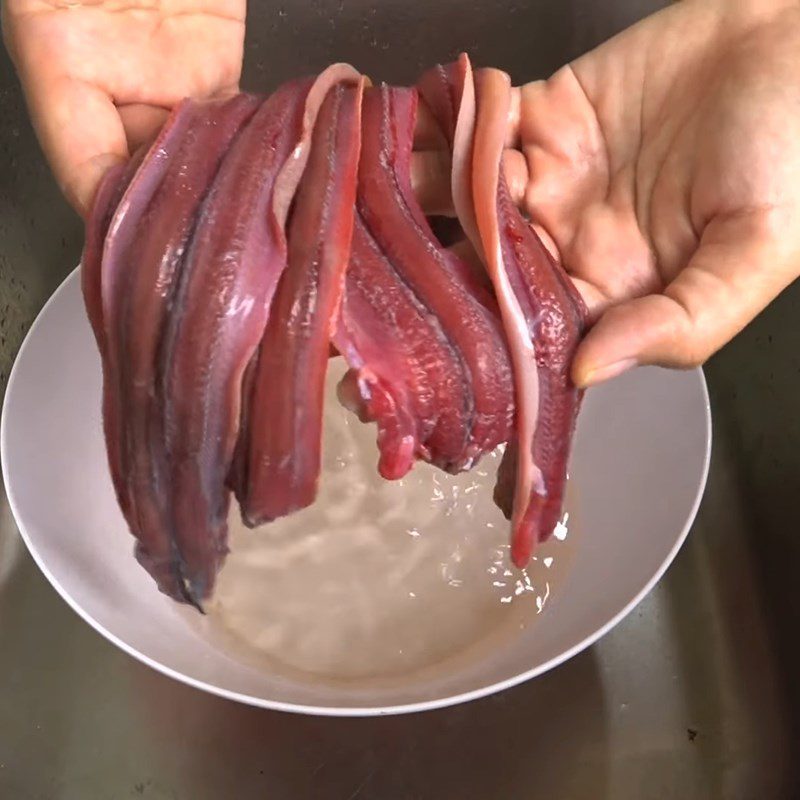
(284, 435)
(543, 314)
(221, 307)
(181, 261)
(142, 262)
(385, 338)
(232, 267)
(439, 384)
(114, 274)
(109, 193)
(157, 263)
(106, 200)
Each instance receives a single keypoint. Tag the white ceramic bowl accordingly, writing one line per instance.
(640, 464)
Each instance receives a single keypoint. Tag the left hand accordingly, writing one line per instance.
(101, 75)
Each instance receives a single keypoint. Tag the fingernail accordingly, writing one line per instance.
(608, 372)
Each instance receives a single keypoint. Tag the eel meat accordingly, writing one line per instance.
(543, 314)
(427, 355)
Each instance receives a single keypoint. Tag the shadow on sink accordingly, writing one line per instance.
(524, 739)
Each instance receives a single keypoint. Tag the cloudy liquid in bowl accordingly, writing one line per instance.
(378, 578)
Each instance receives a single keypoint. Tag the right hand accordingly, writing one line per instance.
(663, 170)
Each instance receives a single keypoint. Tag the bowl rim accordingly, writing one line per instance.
(337, 711)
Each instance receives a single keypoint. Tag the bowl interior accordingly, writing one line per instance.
(638, 469)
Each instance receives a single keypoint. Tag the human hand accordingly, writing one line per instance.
(665, 165)
(663, 169)
(101, 75)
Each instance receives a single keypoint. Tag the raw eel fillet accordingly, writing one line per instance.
(232, 268)
(543, 314)
(183, 254)
(106, 200)
(224, 262)
(142, 262)
(284, 433)
(421, 335)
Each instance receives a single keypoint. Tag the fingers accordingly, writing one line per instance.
(430, 179)
(514, 114)
(141, 123)
(80, 131)
(515, 169)
(427, 133)
(430, 162)
(565, 153)
(596, 302)
(742, 263)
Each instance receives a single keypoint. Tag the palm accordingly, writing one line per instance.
(99, 74)
(664, 166)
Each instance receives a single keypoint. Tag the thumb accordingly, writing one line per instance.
(742, 263)
(80, 131)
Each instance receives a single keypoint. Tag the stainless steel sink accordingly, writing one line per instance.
(691, 697)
